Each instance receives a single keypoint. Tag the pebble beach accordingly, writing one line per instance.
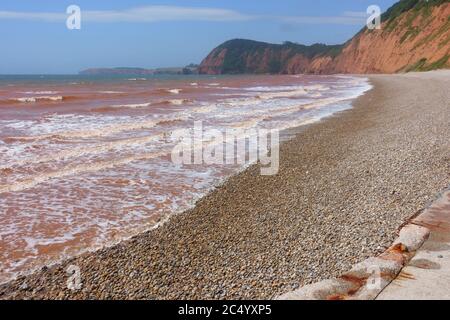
(345, 186)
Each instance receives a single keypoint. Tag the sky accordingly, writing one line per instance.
(150, 34)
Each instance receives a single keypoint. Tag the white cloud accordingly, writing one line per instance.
(343, 20)
(149, 14)
(43, 16)
(356, 14)
(165, 13)
(140, 14)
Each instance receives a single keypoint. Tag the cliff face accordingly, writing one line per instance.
(414, 36)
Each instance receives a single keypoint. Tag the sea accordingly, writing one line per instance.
(85, 161)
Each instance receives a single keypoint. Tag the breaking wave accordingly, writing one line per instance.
(37, 98)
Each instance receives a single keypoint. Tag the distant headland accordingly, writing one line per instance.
(189, 69)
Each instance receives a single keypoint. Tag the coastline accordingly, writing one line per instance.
(346, 182)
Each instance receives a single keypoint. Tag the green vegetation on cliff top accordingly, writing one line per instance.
(405, 5)
(243, 45)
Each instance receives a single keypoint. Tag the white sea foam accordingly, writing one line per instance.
(89, 127)
(33, 242)
(283, 94)
(178, 102)
(88, 151)
(317, 87)
(111, 92)
(268, 92)
(77, 170)
(17, 124)
(204, 109)
(132, 105)
(37, 98)
(174, 91)
(272, 88)
(40, 92)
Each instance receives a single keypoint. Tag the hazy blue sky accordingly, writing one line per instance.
(145, 33)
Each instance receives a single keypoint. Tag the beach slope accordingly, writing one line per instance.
(344, 187)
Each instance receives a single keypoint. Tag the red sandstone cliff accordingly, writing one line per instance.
(414, 36)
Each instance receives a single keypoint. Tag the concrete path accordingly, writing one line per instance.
(427, 275)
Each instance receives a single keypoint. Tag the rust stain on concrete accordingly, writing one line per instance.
(425, 264)
(437, 216)
(405, 276)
